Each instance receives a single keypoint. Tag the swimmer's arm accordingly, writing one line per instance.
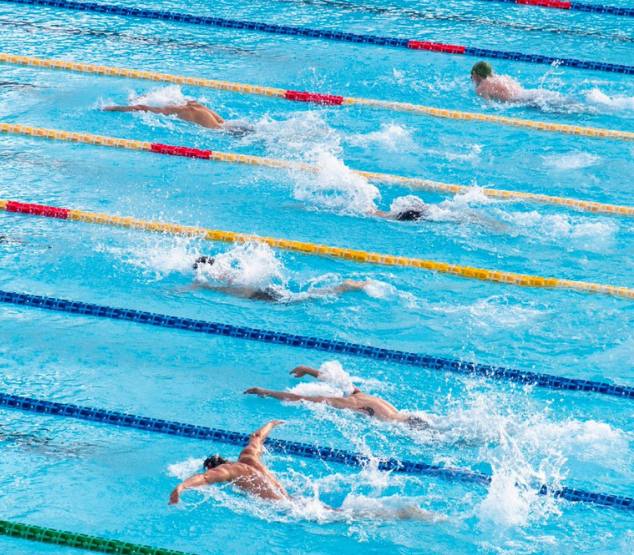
(301, 371)
(257, 439)
(305, 370)
(167, 110)
(213, 476)
(337, 402)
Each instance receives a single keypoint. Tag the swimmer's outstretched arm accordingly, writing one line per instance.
(213, 476)
(344, 287)
(337, 402)
(167, 110)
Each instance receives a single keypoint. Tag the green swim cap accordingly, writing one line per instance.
(483, 69)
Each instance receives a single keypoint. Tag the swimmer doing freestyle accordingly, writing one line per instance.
(269, 293)
(357, 401)
(251, 475)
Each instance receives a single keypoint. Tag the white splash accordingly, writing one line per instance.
(598, 98)
(163, 96)
(335, 187)
(391, 137)
(333, 381)
(251, 265)
(571, 161)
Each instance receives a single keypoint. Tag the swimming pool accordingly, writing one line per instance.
(114, 483)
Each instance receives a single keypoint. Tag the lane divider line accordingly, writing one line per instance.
(96, 544)
(480, 274)
(179, 17)
(316, 98)
(388, 179)
(437, 364)
(572, 6)
(329, 454)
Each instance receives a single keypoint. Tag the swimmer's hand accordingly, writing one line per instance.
(301, 371)
(255, 391)
(175, 496)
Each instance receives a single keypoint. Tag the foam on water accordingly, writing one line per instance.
(335, 187)
(391, 137)
(571, 161)
(578, 231)
(252, 265)
(171, 95)
(618, 103)
(306, 137)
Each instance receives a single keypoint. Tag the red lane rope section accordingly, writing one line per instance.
(37, 210)
(546, 3)
(181, 151)
(315, 98)
(436, 47)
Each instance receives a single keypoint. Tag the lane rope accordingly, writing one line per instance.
(328, 454)
(96, 544)
(572, 6)
(385, 178)
(439, 364)
(468, 272)
(316, 98)
(411, 44)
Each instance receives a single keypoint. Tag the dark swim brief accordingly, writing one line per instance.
(412, 215)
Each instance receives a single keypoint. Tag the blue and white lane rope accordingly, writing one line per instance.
(340, 36)
(329, 454)
(340, 347)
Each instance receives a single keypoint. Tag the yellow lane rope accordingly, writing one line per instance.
(412, 182)
(495, 276)
(282, 93)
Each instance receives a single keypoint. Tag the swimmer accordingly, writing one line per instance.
(495, 87)
(248, 473)
(358, 401)
(193, 112)
(422, 212)
(503, 88)
(251, 475)
(270, 293)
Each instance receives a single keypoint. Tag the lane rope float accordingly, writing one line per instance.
(339, 36)
(439, 364)
(354, 255)
(63, 538)
(571, 6)
(234, 158)
(468, 272)
(328, 454)
(316, 98)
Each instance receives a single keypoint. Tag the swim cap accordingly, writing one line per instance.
(203, 260)
(212, 461)
(483, 69)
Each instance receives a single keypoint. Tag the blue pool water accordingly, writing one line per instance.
(114, 483)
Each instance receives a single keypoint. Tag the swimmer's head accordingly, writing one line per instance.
(238, 128)
(203, 260)
(480, 71)
(212, 461)
(417, 423)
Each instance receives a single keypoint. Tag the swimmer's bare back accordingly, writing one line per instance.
(249, 473)
(193, 112)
